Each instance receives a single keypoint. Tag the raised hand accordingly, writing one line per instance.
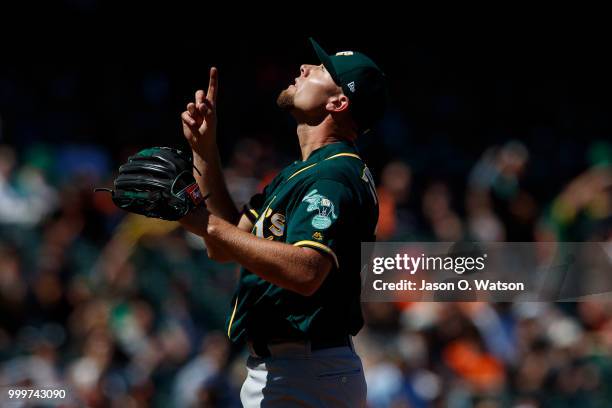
(200, 118)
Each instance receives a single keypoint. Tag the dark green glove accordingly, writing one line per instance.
(157, 182)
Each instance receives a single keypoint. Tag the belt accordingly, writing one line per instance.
(261, 347)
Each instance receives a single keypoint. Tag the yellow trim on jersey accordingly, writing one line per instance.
(254, 213)
(344, 154)
(263, 214)
(320, 246)
(331, 157)
(301, 170)
(229, 327)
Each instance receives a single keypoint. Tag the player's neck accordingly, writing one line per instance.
(313, 137)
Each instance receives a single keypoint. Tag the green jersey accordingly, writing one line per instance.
(327, 202)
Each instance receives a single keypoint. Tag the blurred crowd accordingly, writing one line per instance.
(125, 311)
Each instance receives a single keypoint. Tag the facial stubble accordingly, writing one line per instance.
(285, 100)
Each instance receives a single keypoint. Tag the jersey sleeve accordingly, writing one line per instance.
(319, 217)
(252, 207)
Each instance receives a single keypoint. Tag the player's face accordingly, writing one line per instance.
(311, 91)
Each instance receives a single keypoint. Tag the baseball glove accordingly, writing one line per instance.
(157, 182)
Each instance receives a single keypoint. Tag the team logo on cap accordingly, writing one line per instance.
(351, 86)
(324, 207)
(344, 53)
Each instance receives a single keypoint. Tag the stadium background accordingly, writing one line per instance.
(486, 138)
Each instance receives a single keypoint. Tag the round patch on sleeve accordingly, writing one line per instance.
(324, 207)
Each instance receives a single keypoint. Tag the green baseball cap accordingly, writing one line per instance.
(361, 80)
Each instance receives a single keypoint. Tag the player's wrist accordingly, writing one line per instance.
(205, 151)
(213, 225)
(196, 221)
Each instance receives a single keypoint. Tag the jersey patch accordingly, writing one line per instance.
(324, 207)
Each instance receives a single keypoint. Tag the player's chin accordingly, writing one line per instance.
(285, 99)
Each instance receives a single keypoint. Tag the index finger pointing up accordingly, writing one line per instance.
(213, 84)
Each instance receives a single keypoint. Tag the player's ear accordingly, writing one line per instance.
(338, 103)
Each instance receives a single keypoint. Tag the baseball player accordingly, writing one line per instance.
(297, 303)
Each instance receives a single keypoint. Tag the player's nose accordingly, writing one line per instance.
(305, 70)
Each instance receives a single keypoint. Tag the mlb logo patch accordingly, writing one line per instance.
(193, 191)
